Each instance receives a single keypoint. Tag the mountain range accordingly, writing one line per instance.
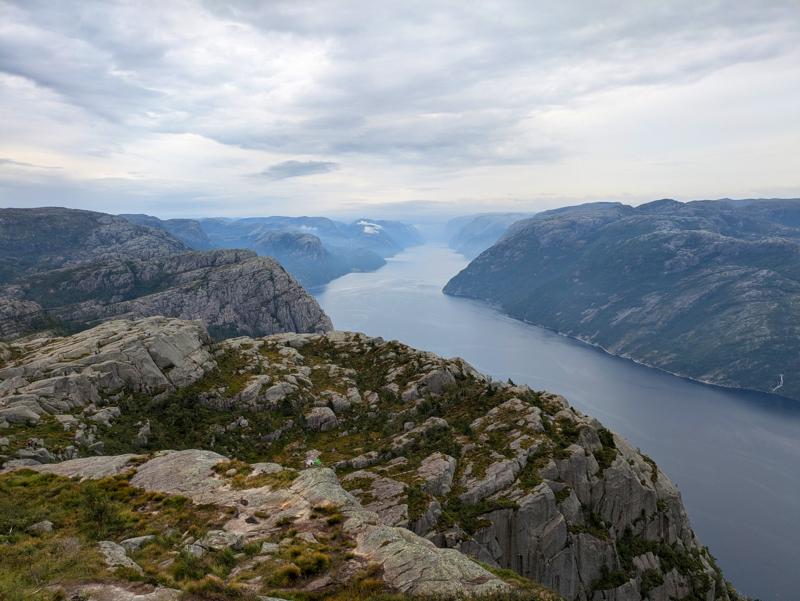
(708, 289)
(314, 250)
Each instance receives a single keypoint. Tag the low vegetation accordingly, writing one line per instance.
(82, 513)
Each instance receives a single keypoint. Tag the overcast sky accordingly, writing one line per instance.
(255, 108)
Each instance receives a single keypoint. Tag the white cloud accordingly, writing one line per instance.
(498, 103)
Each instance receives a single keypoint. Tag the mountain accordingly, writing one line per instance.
(33, 240)
(332, 465)
(305, 257)
(315, 250)
(83, 268)
(708, 289)
(473, 234)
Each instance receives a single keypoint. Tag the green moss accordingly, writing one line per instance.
(563, 494)
(242, 478)
(653, 468)
(688, 563)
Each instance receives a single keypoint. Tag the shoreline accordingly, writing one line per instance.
(605, 351)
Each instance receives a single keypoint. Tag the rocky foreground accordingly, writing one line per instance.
(331, 464)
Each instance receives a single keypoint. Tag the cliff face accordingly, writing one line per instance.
(233, 292)
(145, 272)
(432, 450)
(708, 290)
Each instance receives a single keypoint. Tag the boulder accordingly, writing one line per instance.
(40, 528)
(416, 567)
(220, 539)
(437, 471)
(131, 545)
(321, 419)
(115, 556)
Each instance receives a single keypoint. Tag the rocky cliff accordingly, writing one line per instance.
(76, 280)
(426, 461)
(708, 290)
(233, 292)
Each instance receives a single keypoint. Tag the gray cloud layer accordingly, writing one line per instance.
(435, 88)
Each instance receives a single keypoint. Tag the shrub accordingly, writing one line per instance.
(285, 575)
(104, 516)
(333, 520)
(312, 562)
(650, 580)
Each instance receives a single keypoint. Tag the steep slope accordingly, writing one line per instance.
(708, 289)
(74, 279)
(473, 234)
(34, 240)
(514, 478)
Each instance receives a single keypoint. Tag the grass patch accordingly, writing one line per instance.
(82, 514)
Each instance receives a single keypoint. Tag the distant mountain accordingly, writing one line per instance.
(473, 234)
(315, 250)
(304, 256)
(188, 231)
(68, 270)
(33, 240)
(706, 289)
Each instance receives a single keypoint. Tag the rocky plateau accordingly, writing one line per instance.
(322, 464)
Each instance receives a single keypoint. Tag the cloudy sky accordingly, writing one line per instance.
(303, 107)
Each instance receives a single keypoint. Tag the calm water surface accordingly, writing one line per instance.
(734, 455)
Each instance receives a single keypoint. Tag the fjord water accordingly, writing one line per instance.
(734, 455)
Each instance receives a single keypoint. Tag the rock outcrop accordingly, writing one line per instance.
(427, 460)
(406, 562)
(87, 371)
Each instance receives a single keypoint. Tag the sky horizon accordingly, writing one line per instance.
(211, 108)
